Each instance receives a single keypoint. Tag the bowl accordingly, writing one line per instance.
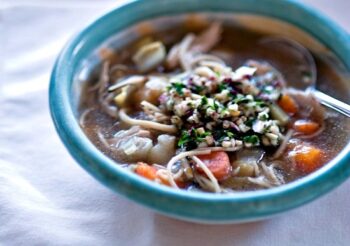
(190, 206)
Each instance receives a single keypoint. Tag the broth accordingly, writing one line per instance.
(236, 46)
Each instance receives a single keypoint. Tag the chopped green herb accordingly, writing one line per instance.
(221, 135)
(204, 101)
(219, 108)
(253, 139)
(249, 122)
(240, 99)
(191, 139)
(184, 139)
(263, 117)
(215, 105)
(260, 103)
(198, 88)
(267, 129)
(222, 86)
(178, 86)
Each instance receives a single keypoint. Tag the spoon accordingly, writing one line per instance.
(309, 84)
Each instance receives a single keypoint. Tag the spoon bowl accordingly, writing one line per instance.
(309, 81)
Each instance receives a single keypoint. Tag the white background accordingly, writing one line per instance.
(47, 199)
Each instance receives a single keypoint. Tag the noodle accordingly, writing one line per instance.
(270, 174)
(173, 56)
(150, 106)
(215, 149)
(178, 174)
(102, 138)
(133, 80)
(105, 105)
(283, 145)
(205, 183)
(118, 67)
(146, 124)
(183, 51)
(103, 80)
(84, 115)
(210, 175)
(260, 181)
(208, 61)
(165, 174)
(185, 154)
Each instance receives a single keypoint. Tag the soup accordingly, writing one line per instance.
(213, 109)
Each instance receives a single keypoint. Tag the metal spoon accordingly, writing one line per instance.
(310, 85)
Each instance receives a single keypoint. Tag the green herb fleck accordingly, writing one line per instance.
(263, 117)
(178, 86)
(249, 122)
(198, 88)
(184, 139)
(253, 139)
(240, 99)
(204, 101)
(222, 86)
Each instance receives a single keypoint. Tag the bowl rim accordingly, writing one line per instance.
(252, 204)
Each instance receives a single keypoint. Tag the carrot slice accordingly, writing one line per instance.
(149, 172)
(180, 184)
(146, 171)
(218, 163)
(288, 104)
(307, 158)
(306, 126)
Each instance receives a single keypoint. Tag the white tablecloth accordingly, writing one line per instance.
(47, 199)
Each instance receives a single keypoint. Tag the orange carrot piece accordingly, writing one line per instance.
(179, 183)
(288, 104)
(149, 172)
(307, 158)
(218, 163)
(146, 171)
(306, 126)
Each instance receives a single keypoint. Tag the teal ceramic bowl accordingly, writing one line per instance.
(191, 206)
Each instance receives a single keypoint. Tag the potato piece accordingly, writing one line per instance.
(149, 56)
(153, 88)
(135, 148)
(162, 152)
(245, 169)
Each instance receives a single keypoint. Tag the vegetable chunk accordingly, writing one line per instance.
(218, 163)
(307, 158)
(306, 126)
(288, 104)
(146, 171)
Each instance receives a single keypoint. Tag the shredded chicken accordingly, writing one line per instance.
(185, 53)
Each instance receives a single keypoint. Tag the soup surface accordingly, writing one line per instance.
(215, 109)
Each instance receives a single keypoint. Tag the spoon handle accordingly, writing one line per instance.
(333, 103)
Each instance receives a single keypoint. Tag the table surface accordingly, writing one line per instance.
(47, 199)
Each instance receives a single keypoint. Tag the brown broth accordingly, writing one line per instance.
(238, 45)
